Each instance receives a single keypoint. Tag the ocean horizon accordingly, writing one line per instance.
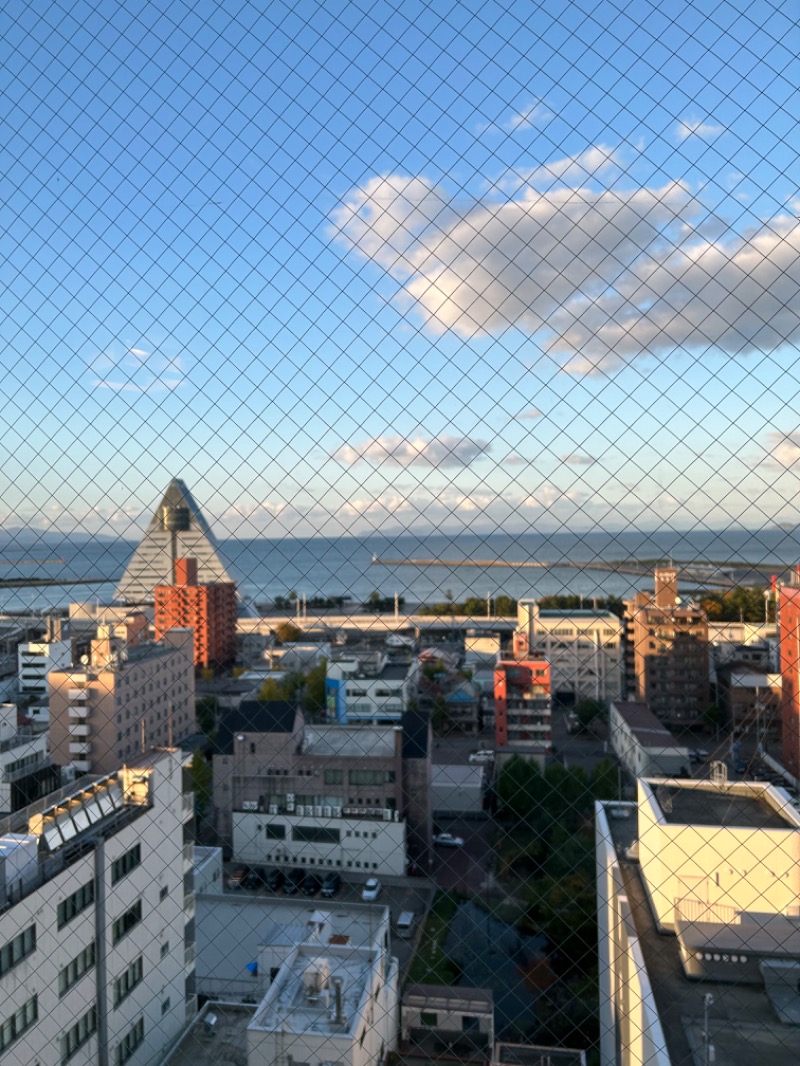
(343, 566)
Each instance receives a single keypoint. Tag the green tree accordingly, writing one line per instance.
(206, 713)
(505, 607)
(287, 632)
(285, 689)
(587, 710)
(314, 697)
(202, 778)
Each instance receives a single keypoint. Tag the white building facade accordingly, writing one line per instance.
(36, 659)
(96, 933)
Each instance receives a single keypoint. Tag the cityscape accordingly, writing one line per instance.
(399, 554)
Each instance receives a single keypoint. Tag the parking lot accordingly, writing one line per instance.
(399, 894)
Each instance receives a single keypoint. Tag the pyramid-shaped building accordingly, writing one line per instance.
(177, 530)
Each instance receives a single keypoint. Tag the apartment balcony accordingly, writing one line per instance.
(77, 695)
(189, 956)
(189, 904)
(80, 748)
(82, 766)
(80, 730)
(78, 710)
(187, 805)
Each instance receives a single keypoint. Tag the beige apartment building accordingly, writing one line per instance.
(124, 700)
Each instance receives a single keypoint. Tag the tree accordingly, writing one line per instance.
(314, 698)
(287, 632)
(206, 714)
(505, 607)
(202, 778)
(587, 710)
(440, 716)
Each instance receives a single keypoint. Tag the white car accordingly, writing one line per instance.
(447, 840)
(371, 890)
(481, 757)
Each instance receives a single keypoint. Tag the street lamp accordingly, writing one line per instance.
(708, 1047)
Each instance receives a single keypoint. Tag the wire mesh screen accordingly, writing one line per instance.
(398, 615)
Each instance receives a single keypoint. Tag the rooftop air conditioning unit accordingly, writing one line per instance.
(337, 812)
(249, 805)
(318, 812)
(273, 808)
(300, 809)
(327, 812)
(388, 815)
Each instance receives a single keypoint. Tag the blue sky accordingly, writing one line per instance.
(345, 267)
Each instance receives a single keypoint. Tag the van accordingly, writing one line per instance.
(404, 926)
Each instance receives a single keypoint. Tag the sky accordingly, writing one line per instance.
(346, 267)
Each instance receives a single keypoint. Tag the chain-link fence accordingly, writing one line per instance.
(398, 616)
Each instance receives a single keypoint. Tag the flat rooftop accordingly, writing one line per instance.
(351, 741)
(302, 999)
(742, 806)
(644, 725)
(218, 1035)
(742, 1023)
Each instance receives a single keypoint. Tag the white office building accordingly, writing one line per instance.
(96, 928)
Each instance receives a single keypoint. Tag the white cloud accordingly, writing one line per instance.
(136, 370)
(695, 127)
(532, 412)
(536, 113)
(599, 276)
(577, 459)
(574, 170)
(782, 450)
(396, 450)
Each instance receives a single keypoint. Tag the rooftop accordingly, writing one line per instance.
(743, 805)
(644, 725)
(743, 1025)
(218, 1035)
(351, 741)
(319, 991)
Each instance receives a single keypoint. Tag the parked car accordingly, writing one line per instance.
(331, 884)
(481, 757)
(293, 881)
(371, 890)
(312, 883)
(447, 840)
(274, 879)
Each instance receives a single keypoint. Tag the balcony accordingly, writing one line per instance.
(80, 730)
(78, 710)
(189, 956)
(77, 695)
(82, 766)
(189, 901)
(80, 748)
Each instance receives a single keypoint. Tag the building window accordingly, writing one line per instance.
(333, 777)
(23, 945)
(130, 1042)
(81, 1031)
(312, 834)
(125, 863)
(124, 985)
(164, 892)
(127, 921)
(428, 1018)
(72, 906)
(19, 1021)
(165, 1005)
(165, 949)
(275, 832)
(74, 970)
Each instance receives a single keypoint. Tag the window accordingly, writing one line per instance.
(275, 832)
(313, 834)
(165, 1005)
(130, 1042)
(70, 907)
(125, 984)
(125, 863)
(333, 777)
(127, 921)
(23, 945)
(19, 1021)
(81, 1031)
(164, 892)
(165, 949)
(75, 969)
(366, 777)
(428, 1018)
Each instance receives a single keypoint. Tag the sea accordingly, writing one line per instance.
(347, 566)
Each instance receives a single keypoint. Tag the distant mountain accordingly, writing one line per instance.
(25, 537)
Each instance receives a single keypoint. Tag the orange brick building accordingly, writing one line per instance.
(522, 704)
(209, 610)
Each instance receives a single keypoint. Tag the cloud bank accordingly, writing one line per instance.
(598, 275)
(396, 450)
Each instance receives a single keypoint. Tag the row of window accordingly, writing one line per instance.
(76, 1036)
(125, 863)
(20, 1020)
(76, 902)
(76, 968)
(125, 984)
(328, 864)
(22, 945)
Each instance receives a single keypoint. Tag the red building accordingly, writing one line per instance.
(209, 610)
(789, 638)
(522, 704)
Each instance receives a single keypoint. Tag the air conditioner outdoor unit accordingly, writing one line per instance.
(387, 814)
(318, 812)
(337, 811)
(249, 805)
(327, 811)
(300, 809)
(273, 808)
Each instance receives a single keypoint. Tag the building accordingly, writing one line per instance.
(26, 772)
(697, 889)
(36, 659)
(208, 610)
(644, 747)
(328, 797)
(749, 700)
(667, 664)
(292, 982)
(97, 920)
(522, 705)
(177, 530)
(367, 688)
(789, 643)
(584, 648)
(122, 701)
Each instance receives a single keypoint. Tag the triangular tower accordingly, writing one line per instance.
(177, 530)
